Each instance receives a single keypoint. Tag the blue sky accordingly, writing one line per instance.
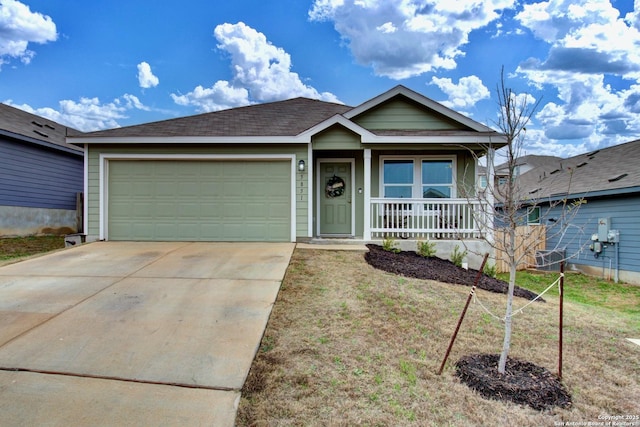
(107, 63)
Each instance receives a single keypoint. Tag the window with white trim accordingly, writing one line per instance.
(437, 179)
(417, 177)
(533, 215)
(398, 178)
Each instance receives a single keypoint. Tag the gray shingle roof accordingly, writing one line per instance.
(606, 170)
(281, 118)
(14, 122)
(531, 160)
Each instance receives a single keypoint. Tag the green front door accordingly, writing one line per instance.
(169, 200)
(335, 199)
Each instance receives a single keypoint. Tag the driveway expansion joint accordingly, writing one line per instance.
(121, 379)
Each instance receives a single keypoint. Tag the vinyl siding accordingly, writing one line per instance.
(623, 213)
(36, 177)
(336, 138)
(402, 114)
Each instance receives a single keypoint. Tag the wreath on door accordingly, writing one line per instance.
(335, 187)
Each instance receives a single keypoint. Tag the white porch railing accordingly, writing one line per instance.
(427, 218)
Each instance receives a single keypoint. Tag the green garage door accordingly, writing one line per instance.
(199, 200)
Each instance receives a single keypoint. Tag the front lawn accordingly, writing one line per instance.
(347, 345)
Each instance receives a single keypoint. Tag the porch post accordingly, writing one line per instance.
(489, 194)
(367, 195)
(310, 190)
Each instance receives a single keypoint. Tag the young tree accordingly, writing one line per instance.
(515, 202)
(515, 112)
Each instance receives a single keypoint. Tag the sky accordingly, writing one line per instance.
(101, 64)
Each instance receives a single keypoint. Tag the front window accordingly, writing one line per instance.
(429, 178)
(437, 179)
(398, 179)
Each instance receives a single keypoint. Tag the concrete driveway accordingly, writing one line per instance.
(133, 333)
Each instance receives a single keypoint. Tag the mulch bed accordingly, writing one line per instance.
(410, 264)
(523, 382)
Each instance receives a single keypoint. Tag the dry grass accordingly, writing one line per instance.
(350, 345)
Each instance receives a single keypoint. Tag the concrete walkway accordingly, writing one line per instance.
(132, 333)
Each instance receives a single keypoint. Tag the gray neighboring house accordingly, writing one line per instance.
(40, 175)
(603, 237)
(523, 165)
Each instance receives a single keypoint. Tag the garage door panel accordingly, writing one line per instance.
(199, 200)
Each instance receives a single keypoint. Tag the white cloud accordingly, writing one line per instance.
(387, 28)
(218, 97)
(426, 35)
(19, 26)
(146, 79)
(589, 42)
(633, 18)
(463, 95)
(261, 73)
(89, 114)
(586, 36)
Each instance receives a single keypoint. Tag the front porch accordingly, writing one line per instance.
(426, 219)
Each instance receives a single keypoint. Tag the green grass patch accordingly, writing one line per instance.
(18, 247)
(583, 289)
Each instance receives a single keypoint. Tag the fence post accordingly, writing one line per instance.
(464, 312)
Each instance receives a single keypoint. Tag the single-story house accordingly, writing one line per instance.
(41, 175)
(294, 170)
(601, 233)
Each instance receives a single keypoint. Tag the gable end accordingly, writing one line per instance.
(402, 113)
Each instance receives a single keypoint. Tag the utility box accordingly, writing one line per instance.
(549, 260)
(604, 226)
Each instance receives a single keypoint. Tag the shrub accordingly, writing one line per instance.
(490, 270)
(457, 257)
(390, 245)
(427, 249)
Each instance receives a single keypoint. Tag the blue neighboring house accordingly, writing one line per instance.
(601, 237)
(41, 176)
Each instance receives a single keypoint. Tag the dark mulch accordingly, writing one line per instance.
(523, 382)
(410, 264)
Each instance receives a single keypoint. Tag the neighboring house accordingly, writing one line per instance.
(292, 170)
(40, 175)
(608, 180)
(523, 165)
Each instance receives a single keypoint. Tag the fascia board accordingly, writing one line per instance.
(190, 140)
(494, 140)
(47, 144)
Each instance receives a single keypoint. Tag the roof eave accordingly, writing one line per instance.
(48, 144)
(285, 139)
